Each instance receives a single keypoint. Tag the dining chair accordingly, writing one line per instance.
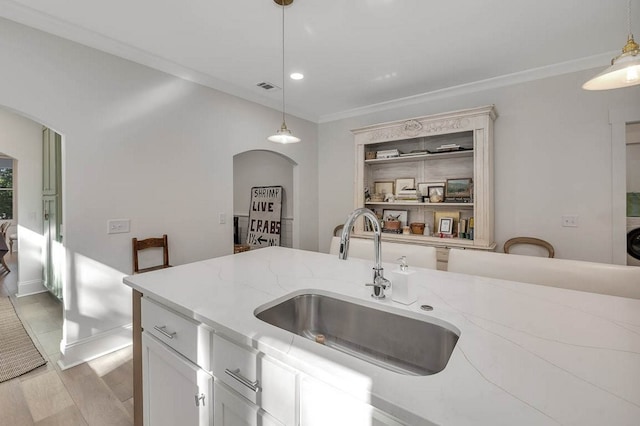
(150, 243)
(531, 241)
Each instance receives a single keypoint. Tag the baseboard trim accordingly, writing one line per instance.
(84, 350)
(27, 288)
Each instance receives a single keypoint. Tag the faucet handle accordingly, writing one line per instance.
(379, 287)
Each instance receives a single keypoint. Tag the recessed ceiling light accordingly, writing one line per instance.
(296, 76)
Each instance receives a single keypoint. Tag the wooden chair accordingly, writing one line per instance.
(529, 240)
(337, 231)
(139, 245)
(3, 229)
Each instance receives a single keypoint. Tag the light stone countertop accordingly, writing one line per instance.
(527, 354)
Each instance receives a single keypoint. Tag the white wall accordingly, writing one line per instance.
(21, 138)
(142, 145)
(633, 157)
(552, 157)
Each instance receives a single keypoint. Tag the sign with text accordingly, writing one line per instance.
(265, 216)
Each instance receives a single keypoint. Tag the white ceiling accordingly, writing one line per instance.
(356, 55)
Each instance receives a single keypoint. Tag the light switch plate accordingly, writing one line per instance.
(118, 226)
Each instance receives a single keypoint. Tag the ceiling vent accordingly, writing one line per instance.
(267, 86)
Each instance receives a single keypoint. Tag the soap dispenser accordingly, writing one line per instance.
(402, 280)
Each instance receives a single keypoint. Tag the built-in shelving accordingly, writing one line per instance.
(416, 141)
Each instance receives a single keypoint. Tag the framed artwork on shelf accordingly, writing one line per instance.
(445, 225)
(383, 188)
(400, 215)
(436, 193)
(458, 188)
(445, 214)
(423, 187)
(405, 184)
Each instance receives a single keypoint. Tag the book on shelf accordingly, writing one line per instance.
(388, 153)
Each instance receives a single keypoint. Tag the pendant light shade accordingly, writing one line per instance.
(283, 135)
(624, 70)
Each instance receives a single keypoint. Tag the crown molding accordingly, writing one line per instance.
(567, 67)
(52, 25)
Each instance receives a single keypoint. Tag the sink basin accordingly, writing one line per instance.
(396, 342)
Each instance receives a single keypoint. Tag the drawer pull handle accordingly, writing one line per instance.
(163, 330)
(254, 386)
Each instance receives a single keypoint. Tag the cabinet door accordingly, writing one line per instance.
(176, 392)
(321, 404)
(232, 409)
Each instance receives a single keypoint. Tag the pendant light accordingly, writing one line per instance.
(625, 68)
(283, 135)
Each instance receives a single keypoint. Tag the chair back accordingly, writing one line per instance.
(417, 255)
(148, 243)
(593, 277)
(3, 229)
(531, 241)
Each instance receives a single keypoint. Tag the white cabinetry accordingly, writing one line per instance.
(242, 386)
(259, 379)
(176, 382)
(233, 410)
(176, 392)
(321, 404)
(418, 140)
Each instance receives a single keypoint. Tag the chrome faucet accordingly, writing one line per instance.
(380, 283)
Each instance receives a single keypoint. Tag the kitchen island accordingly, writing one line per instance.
(526, 354)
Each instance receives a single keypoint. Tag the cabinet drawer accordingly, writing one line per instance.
(188, 337)
(233, 410)
(259, 379)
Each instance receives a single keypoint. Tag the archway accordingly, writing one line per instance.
(264, 168)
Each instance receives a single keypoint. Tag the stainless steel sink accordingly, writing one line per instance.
(398, 343)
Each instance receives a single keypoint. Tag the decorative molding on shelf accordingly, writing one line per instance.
(414, 128)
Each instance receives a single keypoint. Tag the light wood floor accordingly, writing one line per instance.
(98, 392)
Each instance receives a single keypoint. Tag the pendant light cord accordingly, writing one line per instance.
(283, 92)
(628, 17)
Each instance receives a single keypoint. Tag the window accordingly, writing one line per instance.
(6, 188)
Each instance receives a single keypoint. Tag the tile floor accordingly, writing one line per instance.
(98, 392)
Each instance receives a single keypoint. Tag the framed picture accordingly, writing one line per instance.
(405, 183)
(436, 193)
(423, 187)
(445, 226)
(401, 215)
(458, 188)
(383, 188)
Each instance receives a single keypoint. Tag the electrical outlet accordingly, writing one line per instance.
(118, 226)
(222, 218)
(570, 220)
